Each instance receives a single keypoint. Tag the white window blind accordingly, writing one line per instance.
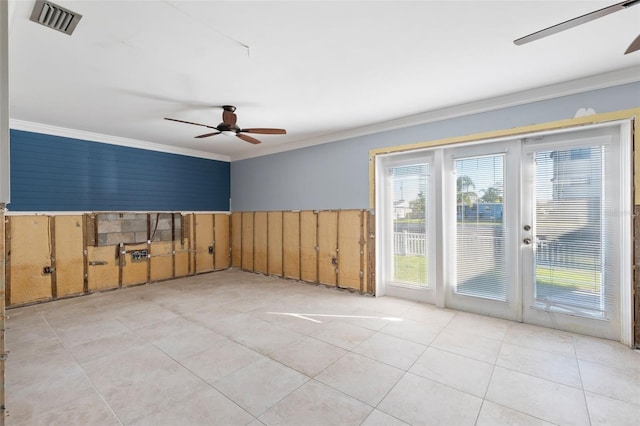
(572, 235)
(481, 232)
(410, 197)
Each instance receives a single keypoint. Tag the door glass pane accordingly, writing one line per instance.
(410, 189)
(570, 228)
(480, 228)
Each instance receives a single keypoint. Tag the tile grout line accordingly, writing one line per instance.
(407, 370)
(84, 373)
(493, 369)
(584, 393)
(211, 386)
(351, 351)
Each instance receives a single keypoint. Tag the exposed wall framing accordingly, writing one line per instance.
(274, 243)
(309, 246)
(236, 239)
(204, 243)
(50, 257)
(221, 242)
(325, 247)
(291, 245)
(260, 243)
(248, 241)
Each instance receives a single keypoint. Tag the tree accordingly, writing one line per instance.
(463, 195)
(417, 206)
(492, 195)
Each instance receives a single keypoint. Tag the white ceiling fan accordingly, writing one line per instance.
(634, 46)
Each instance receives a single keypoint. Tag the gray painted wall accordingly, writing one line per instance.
(336, 175)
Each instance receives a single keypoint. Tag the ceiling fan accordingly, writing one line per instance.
(229, 127)
(635, 44)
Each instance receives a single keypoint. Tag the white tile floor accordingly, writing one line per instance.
(234, 348)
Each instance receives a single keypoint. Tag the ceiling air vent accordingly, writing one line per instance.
(56, 17)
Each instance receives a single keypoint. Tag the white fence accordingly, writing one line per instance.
(409, 243)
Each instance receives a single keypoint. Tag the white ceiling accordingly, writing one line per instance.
(323, 70)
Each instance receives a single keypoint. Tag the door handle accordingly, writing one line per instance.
(527, 241)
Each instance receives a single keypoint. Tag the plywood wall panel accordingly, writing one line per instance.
(222, 254)
(182, 257)
(29, 254)
(275, 244)
(260, 242)
(308, 244)
(291, 244)
(204, 240)
(134, 272)
(103, 268)
(236, 239)
(327, 246)
(161, 260)
(247, 241)
(350, 235)
(69, 255)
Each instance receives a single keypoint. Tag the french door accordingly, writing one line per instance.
(480, 217)
(576, 231)
(534, 229)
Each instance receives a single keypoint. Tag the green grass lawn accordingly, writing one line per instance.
(412, 269)
(569, 278)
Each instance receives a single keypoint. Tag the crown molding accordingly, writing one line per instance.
(586, 84)
(112, 140)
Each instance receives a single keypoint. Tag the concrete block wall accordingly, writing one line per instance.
(134, 228)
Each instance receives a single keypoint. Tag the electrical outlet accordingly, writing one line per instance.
(139, 256)
(210, 249)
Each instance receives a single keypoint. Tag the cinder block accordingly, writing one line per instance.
(140, 237)
(108, 217)
(105, 227)
(164, 224)
(136, 225)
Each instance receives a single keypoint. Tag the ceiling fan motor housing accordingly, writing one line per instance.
(222, 127)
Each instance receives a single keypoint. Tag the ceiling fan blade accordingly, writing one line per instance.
(248, 138)
(190, 122)
(229, 118)
(264, 131)
(635, 45)
(206, 135)
(575, 21)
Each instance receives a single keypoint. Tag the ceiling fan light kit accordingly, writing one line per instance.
(228, 127)
(583, 19)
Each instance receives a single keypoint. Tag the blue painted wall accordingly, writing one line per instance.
(336, 175)
(52, 173)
